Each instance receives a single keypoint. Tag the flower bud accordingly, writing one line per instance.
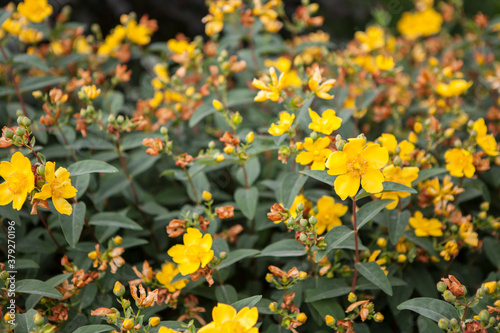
(378, 317)
(219, 157)
(304, 222)
(382, 242)
(448, 133)
(229, 149)
(118, 240)
(300, 206)
(4, 275)
(217, 104)
(118, 289)
(211, 145)
(92, 255)
(250, 137)
(313, 220)
(454, 323)
(236, 118)
(9, 134)
(449, 297)
(20, 131)
(207, 195)
(302, 275)
(302, 317)
(485, 206)
(20, 120)
(163, 131)
(443, 323)
(40, 170)
(484, 315)
(330, 320)
(314, 136)
(303, 238)
(154, 321)
(273, 306)
(401, 258)
(352, 297)
(223, 255)
(128, 324)
(8, 317)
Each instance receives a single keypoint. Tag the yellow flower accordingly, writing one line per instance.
(454, 88)
(446, 192)
(226, 320)
(358, 163)
(425, 23)
(284, 65)
(425, 227)
(459, 162)
(317, 153)
(373, 38)
(388, 141)
(467, 234)
(91, 92)
(380, 262)
(31, 36)
(195, 251)
(492, 286)
(81, 45)
(329, 214)
(35, 10)
(384, 63)
(164, 329)
(214, 21)
(15, 24)
(485, 141)
(168, 272)
(181, 46)
(19, 180)
(283, 125)
(113, 40)
(299, 199)
(450, 250)
(406, 148)
(326, 124)
(58, 187)
(398, 175)
(321, 90)
(138, 33)
(270, 90)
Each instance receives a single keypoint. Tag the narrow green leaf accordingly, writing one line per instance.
(303, 113)
(247, 201)
(30, 60)
(328, 288)
(290, 187)
(388, 187)
(374, 273)
(237, 255)
(334, 238)
(320, 175)
(94, 329)
(72, 225)
(33, 83)
(431, 308)
(369, 210)
(90, 166)
(108, 219)
(492, 249)
(397, 224)
(37, 287)
(226, 294)
(284, 248)
(428, 173)
(249, 302)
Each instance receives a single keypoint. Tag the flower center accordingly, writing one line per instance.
(357, 165)
(16, 182)
(57, 188)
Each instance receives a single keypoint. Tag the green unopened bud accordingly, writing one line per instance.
(448, 296)
(286, 322)
(236, 118)
(38, 319)
(443, 323)
(313, 220)
(457, 144)
(397, 161)
(118, 289)
(26, 122)
(304, 222)
(492, 321)
(340, 145)
(4, 275)
(120, 119)
(20, 131)
(211, 145)
(303, 238)
(485, 206)
(40, 170)
(9, 134)
(300, 206)
(20, 120)
(314, 135)
(223, 255)
(111, 118)
(163, 131)
(484, 315)
(441, 286)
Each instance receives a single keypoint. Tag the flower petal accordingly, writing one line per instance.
(222, 313)
(68, 192)
(354, 147)
(346, 185)
(49, 172)
(62, 205)
(186, 268)
(6, 196)
(337, 163)
(372, 180)
(377, 156)
(18, 200)
(45, 193)
(6, 169)
(247, 317)
(62, 174)
(304, 157)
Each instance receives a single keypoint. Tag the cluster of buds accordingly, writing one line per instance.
(177, 227)
(291, 317)
(41, 327)
(111, 256)
(117, 125)
(363, 309)
(52, 106)
(284, 280)
(18, 135)
(233, 146)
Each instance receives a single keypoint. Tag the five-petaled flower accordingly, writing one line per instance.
(326, 124)
(425, 227)
(58, 187)
(283, 125)
(459, 162)
(316, 152)
(19, 180)
(195, 252)
(320, 89)
(227, 320)
(270, 90)
(328, 214)
(357, 163)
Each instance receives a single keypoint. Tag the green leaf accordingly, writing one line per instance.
(37, 287)
(367, 98)
(374, 273)
(237, 255)
(290, 187)
(10, 213)
(303, 113)
(397, 224)
(30, 60)
(431, 308)
(24, 321)
(33, 83)
(94, 329)
(333, 239)
(108, 219)
(369, 210)
(4, 15)
(284, 248)
(423, 242)
(328, 288)
(320, 175)
(492, 249)
(25, 264)
(247, 201)
(388, 187)
(226, 294)
(90, 166)
(428, 173)
(249, 302)
(72, 225)
(427, 325)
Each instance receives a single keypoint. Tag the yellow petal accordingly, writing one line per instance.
(18, 200)
(247, 317)
(222, 313)
(206, 258)
(62, 206)
(192, 236)
(377, 156)
(314, 116)
(346, 185)
(176, 252)
(188, 267)
(62, 174)
(337, 163)
(372, 180)
(209, 328)
(49, 172)
(6, 195)
(206, 242)
(68, 192)
(20, 162)
(45, 193)
(354, 147)
(6, 169)
(304, 158)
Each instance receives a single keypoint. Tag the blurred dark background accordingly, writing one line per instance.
(342, 17)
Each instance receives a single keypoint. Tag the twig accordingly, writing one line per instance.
(50, 233)
(356, 245)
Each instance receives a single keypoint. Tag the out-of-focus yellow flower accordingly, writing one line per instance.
(299, 199)
(19, 180)
(315, 152)
(492, 286)
(412, 137)
(138, 33)
(358, 163)
(329, 214)
(58, 187)
(219, 157)
(384, 63)
(284, 65)
(181, 46)
(113, 40)
(388, 141)
(35, 10)
(269, 90)
(195, 252)
(56, 47)
(164, 329)
(467, 233)
(320, 89)
(214, 20)
(326, 124)
(398, 175)
(485, 141)
(446, 192)
(329, 320)
(81, 45)
(30, 36)
(226, 319)
(380, 262)
(425, 227)
(450, 250)
(459, 162)
(283, 125)
(425, 23)
(90, 92)
(15, 24)
(168, 272)
(250, 137)
(207, 195)
(373, 38)
(454, 88)
(406, 148)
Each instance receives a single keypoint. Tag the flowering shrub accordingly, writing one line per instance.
(247, 182)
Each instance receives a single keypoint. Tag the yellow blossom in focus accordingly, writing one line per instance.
(358, 163)
(315, 152)
(384, 63)
(195, 252)
(35, 10)
(168, 272)
(283, 125)
(388, 141)
(406, 148)
(398, 175)
(486, 141)
(329, 214)
(450, 250)
(425, 23)
(425, 227)
(19, 180)
(326, 124)
(454, 88)
(459, 162)
(299, 199)
(226, 319)
(58, 187)
(467, 233)
(373, 38)
(320, 89)
(138, 33)
(269, 90)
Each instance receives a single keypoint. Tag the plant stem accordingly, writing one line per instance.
(16, 86)
(66, 142)
(356, 245)
(245, 176)
(50, 233)
(191, 184)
